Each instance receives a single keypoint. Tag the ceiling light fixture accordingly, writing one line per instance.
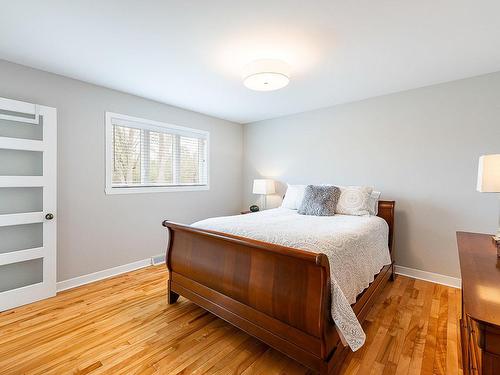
(266, 75)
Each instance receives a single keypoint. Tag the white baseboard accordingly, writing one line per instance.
(454, 282)
(99, 275)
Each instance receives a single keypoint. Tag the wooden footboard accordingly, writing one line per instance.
(278, 294)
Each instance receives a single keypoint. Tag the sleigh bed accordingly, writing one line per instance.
(280, 295)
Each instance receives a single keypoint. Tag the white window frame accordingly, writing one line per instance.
(149, 125)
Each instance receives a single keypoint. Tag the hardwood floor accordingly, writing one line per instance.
(123, 325)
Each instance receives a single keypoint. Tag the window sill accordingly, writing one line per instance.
(154, 189)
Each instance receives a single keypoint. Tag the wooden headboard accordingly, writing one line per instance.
(386, 212)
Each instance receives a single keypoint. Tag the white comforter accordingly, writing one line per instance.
(356, 247)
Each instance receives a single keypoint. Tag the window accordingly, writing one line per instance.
(148, 156)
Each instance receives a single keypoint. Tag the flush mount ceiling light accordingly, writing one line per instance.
(266, 75)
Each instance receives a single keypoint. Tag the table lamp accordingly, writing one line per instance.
(488, 180)
(263, 187)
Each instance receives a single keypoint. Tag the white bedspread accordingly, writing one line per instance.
(356, 247)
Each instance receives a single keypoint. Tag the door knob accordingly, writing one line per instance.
(49, 216)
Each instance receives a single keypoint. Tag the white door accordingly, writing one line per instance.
(28, 182)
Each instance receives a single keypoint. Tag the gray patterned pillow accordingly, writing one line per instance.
(319, 200)
(354, 200)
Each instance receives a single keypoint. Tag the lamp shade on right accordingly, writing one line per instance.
(488, 174)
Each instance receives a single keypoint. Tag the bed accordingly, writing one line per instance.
(249, 271)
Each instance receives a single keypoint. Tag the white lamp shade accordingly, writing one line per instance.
(263, 186)
(488, 174)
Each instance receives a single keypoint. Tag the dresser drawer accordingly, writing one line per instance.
(491, 364)
(491, 339)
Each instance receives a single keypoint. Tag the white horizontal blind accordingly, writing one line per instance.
(157, 155)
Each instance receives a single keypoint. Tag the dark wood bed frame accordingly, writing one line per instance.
(277, 294)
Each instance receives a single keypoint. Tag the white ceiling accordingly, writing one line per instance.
(191, 53)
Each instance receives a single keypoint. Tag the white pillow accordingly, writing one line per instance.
(354, 200)
(293, 197)
(374, 197)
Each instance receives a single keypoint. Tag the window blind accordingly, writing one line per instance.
(148, 155)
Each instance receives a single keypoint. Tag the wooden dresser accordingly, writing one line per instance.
(480, 323)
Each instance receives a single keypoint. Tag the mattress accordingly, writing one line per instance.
(356, 247)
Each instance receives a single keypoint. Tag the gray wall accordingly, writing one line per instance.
(98, 231)
(418, 147)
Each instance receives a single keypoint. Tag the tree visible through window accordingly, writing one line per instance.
(145, 155)
(127, 155)
(161, 158)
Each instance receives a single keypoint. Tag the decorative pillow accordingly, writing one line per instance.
(293, 196)
(354, 200)
(319, 200)
(374, 197)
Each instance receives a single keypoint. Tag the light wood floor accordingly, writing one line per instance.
(124, 326)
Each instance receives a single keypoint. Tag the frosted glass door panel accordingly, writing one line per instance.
(21, 237)
(21, 199)
(17, 275)
(16, 129)
(21, 163)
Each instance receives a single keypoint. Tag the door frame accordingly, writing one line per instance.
(31, 114)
